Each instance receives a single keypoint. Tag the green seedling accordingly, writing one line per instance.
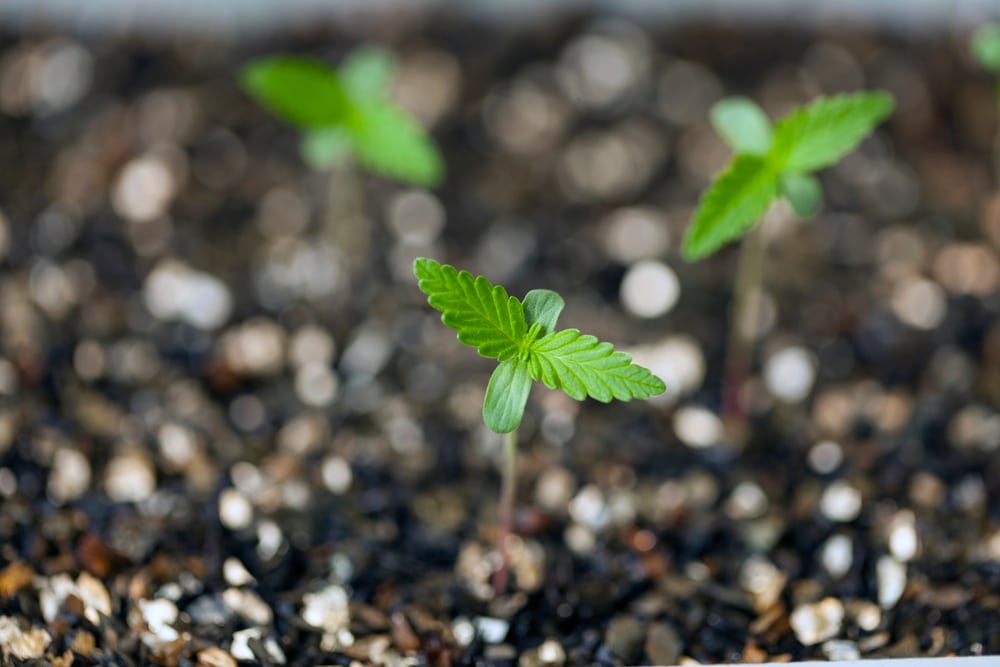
(986, 50)
(522, 337)
(769, 163)
(346, 119)
(345, 112)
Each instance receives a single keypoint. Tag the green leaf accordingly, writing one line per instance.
(986, 46)
(803, 192)
(484, 316)
(300, 91)
(543, 307)
(583, 366)
(391, 143)
(817, 135)
(743, 125)
(731, 205)
(506, 396)
(366, 73)
(325, 147)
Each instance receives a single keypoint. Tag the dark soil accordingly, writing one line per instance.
(230, 425)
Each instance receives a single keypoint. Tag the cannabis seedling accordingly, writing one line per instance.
(522, 336)
(986, 50)
(768, 164)
(345, 116)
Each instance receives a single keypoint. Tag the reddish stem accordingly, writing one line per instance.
(508, 486)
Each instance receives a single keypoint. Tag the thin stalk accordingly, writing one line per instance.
(345, 221)
(508, 486)
(742, 324)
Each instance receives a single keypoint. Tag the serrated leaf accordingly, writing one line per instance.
(483, 314)
(365, 73)
(542, 307)
(325, 147)
(301, 91)
(743, 124)
(986, 46)
(583, 366)
(506, 396)
(817, 135)
(391, 143)
(731, 205)
(803, 192)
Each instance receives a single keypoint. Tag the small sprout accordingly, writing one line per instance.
(779, 162)
(345, 111)
(522, 336)
(770, 163)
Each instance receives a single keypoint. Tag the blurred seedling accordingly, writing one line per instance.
(986, 50)
(346, 119)
(521, 335)
(768, 164)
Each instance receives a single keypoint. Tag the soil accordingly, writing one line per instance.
(231, 429)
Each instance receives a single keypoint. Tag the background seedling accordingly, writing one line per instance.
(769, 163)
(986, 50)
(522, 337)
(346, 117)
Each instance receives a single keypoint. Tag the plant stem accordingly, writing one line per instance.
(742, 326)
(346, 224)
(508, 487)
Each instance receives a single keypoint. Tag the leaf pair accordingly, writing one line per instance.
(522, 337)
(777, 162)
(345, 111)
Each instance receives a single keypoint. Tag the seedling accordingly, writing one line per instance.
(522, 337)
(768, 164)
(986, 50)
(345, 117)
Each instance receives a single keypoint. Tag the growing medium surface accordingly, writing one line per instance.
(221, 439)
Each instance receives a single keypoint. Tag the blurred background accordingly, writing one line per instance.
(232, 429)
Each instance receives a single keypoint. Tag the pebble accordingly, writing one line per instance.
(554, 489)
(249, 605)
(337, 475)
(209, 610)
(70, 475)
(240, 646)
(841, 649)
(551, 653)
(28, 645)
(590, 508)
(326, 609)
(624, 637)
(891, 577)
(790, 373)
(491, 630)
(867, 615)
(650, 289)
(747, 501)
(763, 581)
(903, 541)
(130, 477)
(837, 555)
(235, 573)
(174, 291)
(215, 657)
(158, 616)
(817, 622)
(825, 457)
(697, 427)
(235, 510)
(663, 644)
(840, 502)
